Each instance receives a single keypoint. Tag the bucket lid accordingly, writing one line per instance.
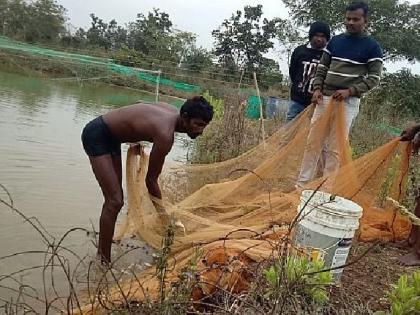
(328, 202)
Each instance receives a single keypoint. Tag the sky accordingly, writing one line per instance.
(200, 17)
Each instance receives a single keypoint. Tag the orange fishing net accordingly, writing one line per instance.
(229, 209)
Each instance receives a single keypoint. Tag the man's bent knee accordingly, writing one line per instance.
(114, 205)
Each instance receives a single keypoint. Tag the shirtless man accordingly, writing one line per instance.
(413, 258)
(156, 123)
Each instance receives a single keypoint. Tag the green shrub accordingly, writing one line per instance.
(405, 296)
(300, 275)
(218, 105)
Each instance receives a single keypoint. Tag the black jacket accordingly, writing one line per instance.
(303, 65)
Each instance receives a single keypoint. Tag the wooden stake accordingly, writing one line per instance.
(157, 87)
(261, 108)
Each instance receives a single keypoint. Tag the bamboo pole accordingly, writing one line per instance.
(240, 81)
(261, 108)
(157, 86)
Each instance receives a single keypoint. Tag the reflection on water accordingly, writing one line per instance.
(42, 162)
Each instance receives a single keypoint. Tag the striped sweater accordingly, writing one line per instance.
(349, 62)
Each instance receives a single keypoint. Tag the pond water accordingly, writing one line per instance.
(43, 165)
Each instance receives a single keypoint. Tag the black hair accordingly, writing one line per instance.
(358, 5)
(198, 107)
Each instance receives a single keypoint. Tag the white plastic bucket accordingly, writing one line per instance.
(327, 222)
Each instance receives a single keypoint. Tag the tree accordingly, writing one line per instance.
(3, 15)
(152, 35)
(197, 60)
(149, 34)
(46, 21)
(243, 39)
(106, 35)
(271, 75)
(36, 21)
(396, 25)
(96, 34)
(13, 18)
(288, 36)
(179, 44)
(76, 40)
(398, 96)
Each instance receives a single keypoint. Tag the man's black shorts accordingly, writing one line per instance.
(98, 140)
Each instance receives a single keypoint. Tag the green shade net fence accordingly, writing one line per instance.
(140, 74)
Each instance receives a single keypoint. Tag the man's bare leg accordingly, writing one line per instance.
(413, 258)
(412, 239)
(107, 170)
(116, 161)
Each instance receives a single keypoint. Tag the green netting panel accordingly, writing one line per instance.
(7, 43)
(253, 107)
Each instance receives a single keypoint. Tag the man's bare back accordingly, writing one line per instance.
(142, 122)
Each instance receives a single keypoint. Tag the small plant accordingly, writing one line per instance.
(301, 276)
(180, 296)
(389, 179)
(405, 296)
(162, 258)
(218, 105)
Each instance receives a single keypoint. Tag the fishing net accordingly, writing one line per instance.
(234, 211)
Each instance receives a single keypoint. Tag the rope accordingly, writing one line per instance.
(415, 220)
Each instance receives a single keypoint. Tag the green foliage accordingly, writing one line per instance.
(303, 12)
(386, 110)
(243, 39)
(289, 36)
(32, 21)
(218, 105)
(270, 76)
(398, 95)
(394, 24)
(162, 258)
(148, 33)
(105, 35)
(153, 35)
(405, 296)
(197, 60)
(301, 275)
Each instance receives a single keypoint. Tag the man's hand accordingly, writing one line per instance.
(317, 97)
(409, 133)
(164, 216)
(412, 134)
(341, 95)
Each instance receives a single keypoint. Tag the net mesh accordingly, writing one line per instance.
(232, 208)
(108, 64)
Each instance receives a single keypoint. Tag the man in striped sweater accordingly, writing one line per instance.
(350, 66)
